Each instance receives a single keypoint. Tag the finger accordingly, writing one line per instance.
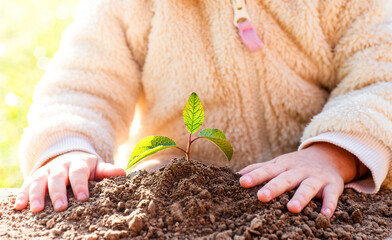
(78, 177)
(306, 191)
(331, 195)
(261, 175)
(57, 185)
(22, 199)
(37, 190)
(282, 183)
(320, 194)
(251, 168)
(105, 170)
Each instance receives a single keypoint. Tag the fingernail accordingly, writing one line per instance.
(246, 180)
(327, 212)
(18, 202)
(266, 193)
(295, 204)
(81, 196)
(58, 204)
(35, 204)
(19, 199)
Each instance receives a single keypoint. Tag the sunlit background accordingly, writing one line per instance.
(30, 31)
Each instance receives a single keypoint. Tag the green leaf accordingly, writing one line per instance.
(218, 137)
(193, 113)
(148, 146)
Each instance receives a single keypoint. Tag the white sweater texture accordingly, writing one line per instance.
(324, 74)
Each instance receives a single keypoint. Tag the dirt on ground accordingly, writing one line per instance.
(194, 201)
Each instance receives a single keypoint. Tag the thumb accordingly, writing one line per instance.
(106, 170)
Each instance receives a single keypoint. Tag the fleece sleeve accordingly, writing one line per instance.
(361, 101)
(64, 145)
(90, 87)
(372, 153)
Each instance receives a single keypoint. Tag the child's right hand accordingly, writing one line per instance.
(75, 168)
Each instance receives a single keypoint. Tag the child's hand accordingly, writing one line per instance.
(319, 170)
(74, 168)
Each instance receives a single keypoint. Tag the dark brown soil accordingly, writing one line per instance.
(191, 200)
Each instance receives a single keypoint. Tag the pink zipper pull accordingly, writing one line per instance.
(245, 29)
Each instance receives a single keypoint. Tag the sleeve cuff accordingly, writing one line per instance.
(371, 152)
(64, 145)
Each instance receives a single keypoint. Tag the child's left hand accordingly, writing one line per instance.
(319, 170)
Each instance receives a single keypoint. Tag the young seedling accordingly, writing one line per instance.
(193, 115)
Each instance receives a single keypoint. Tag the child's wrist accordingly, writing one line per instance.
(344, 161)
(362, 170)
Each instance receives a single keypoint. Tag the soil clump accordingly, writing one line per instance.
(194, 201)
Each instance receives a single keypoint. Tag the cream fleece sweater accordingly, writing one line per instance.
(323, 74)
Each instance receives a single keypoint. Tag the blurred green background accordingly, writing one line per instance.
(30, 31)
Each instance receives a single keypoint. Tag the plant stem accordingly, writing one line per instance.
(195, 139)
(188, 148)
(181, 149)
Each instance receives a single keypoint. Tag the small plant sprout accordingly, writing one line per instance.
(193, 115)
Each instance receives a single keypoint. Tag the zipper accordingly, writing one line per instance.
(258, 106)
(240, 13)
(245, 28)
(253, 42)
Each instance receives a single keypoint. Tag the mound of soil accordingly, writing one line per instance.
(191, 200)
